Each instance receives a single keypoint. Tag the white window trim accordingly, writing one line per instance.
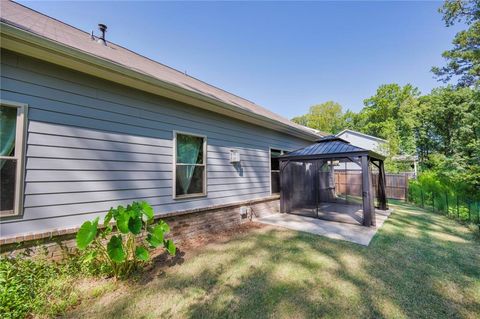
(20, 150)
(174, 178)
(282, 151)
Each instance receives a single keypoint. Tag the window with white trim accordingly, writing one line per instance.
(12, 123)
(190, 171)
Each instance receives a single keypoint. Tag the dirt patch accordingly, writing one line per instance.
(190, 247)
(220, 236)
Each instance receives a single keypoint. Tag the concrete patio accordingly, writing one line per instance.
(337, 212)
(350, 232)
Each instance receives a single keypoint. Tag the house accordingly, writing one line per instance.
(378, 145)
(87, 124)
(363, 140)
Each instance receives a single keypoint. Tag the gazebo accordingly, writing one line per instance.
(333, 180)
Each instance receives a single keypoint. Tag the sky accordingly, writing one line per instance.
(285, 56)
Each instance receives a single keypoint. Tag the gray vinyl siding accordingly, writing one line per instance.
(94, 144)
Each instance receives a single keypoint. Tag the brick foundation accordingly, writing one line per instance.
(184, 225)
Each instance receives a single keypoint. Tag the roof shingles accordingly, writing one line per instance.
(326, 146)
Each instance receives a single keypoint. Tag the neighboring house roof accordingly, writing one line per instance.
(361, 134)
(66, 37)
(314, 130)
(329, 147)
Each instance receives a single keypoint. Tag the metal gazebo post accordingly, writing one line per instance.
(282, 192)
(368, 211)
(382, 180)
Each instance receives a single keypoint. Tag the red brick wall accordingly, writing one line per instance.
(183, 226)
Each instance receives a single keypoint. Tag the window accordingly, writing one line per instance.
(275, 170)
(12, 117)
(190, 165)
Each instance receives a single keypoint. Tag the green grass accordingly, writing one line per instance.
(419, 265)
(37, 288)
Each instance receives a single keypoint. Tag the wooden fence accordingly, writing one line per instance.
(350, 182)
(396, 186)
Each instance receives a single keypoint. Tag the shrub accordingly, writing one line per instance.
(34, 287)
(121, 253)
(445, 194)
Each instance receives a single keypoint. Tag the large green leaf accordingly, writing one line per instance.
(86, 234)
(164, 226)
(142, 253)
(154, 241)
(122, 218)
(115, 249)
(170, 247)
(135, 225)
(158, 231)
(134, 209)
(147, 211)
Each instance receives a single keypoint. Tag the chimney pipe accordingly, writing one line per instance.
(103, 28)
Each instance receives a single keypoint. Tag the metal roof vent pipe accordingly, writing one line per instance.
(103, 28)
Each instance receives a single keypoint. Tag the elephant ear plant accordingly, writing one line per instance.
(136, 236)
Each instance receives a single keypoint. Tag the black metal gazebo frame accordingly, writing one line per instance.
(332, 148)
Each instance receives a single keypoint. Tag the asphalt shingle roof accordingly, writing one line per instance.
(326, 146)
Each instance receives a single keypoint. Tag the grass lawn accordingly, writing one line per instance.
(419, 265)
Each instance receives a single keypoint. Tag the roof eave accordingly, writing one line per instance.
(31, 44)
(333, 155)
(322, 156)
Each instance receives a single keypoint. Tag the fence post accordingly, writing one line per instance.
(446, 200)
(458, 210)
(469, 210)
(406, 187)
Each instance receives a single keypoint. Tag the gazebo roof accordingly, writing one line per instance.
(329, 147)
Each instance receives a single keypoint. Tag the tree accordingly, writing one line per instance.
(351, 120)
(426, 141)
(391, 114)
(463, 61)
(448, 137)
(326, 117)
(448, 112)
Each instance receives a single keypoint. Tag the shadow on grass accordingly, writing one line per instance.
(418, 265)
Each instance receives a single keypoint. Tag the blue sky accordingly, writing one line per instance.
(285, 56)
